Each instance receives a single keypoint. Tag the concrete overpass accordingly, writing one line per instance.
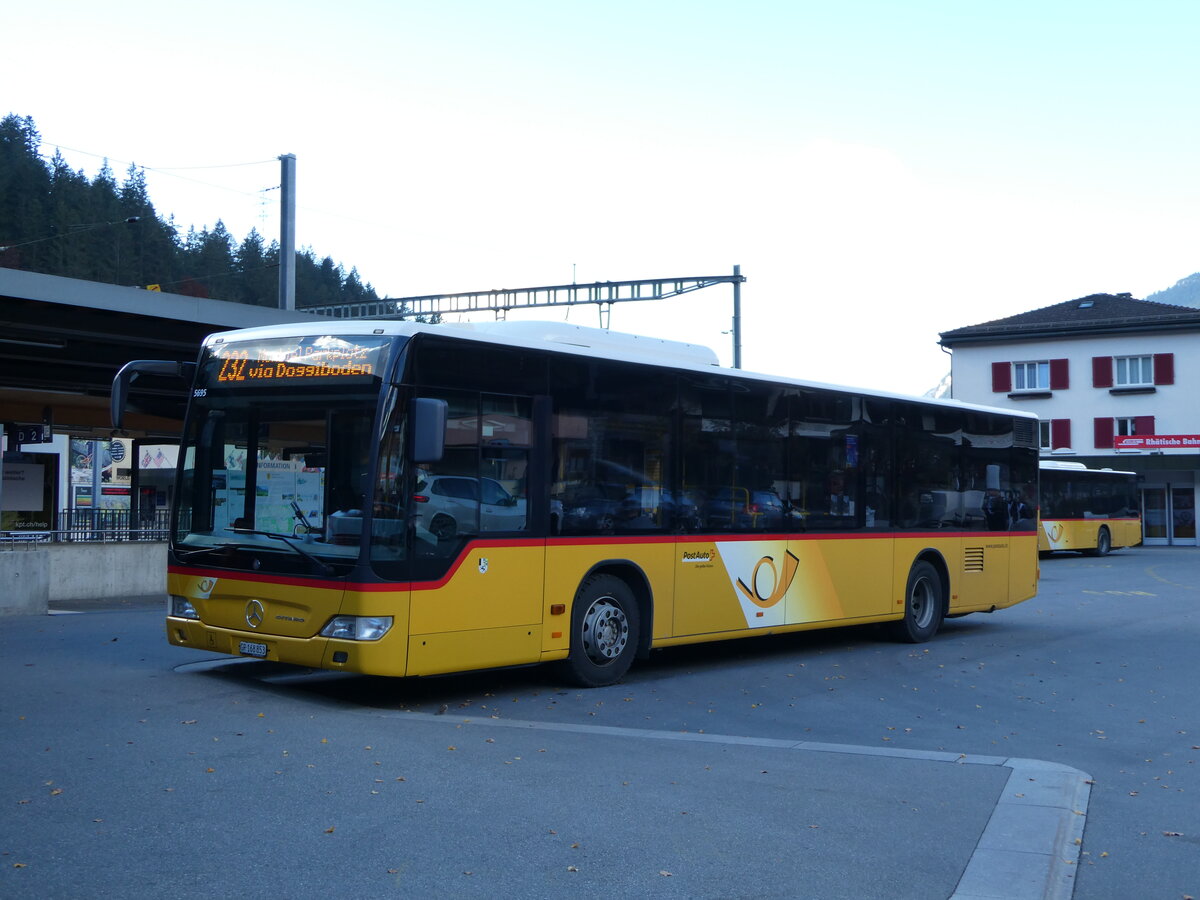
(62, 340)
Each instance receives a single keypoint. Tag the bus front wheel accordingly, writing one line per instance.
(924, 605)
(605, 624)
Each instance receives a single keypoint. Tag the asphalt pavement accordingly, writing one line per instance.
(132, 768)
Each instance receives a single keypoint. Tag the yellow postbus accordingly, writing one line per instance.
(402, 499)
(1089, 510)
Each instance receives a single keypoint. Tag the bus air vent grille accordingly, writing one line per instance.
(973, 559)
(1025, 433)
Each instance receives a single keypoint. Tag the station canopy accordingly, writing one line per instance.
(62, 340)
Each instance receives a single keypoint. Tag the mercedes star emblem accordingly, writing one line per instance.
(255, 613)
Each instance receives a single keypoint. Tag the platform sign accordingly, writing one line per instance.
(21, 433)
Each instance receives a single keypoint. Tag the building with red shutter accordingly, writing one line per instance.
(1115, 383)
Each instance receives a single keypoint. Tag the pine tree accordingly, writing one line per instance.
(53, 220)
(24, 195)
(210, 261)
(98, 235)
(259, 279)
(69, 192)
(153, 245)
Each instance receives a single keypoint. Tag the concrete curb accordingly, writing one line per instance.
(1030, 847)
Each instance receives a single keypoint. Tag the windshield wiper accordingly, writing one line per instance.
(321, 566)
(216, 548)
(300, 515)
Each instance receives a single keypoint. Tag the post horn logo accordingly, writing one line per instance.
(255, 613)
(779, 583)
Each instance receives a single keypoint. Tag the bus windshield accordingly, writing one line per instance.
(277, 452)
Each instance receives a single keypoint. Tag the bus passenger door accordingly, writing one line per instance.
(482, 604)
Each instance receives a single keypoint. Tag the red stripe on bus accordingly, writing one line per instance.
(372, 586)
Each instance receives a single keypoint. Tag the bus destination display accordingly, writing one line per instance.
(283, 361)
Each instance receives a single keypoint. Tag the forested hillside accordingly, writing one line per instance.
(55, 221)
(1185, 292)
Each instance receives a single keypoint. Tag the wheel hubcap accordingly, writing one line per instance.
(605, 631)
(920, 601)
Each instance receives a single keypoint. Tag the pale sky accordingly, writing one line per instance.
(882, 171)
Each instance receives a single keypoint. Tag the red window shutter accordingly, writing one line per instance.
(1143, 425)
(1060, 433)
(1102, 371)
(1002, 377)
(1164, 368)
(1059, 378)
(1104, 433)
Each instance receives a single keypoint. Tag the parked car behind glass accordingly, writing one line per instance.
(448, 505)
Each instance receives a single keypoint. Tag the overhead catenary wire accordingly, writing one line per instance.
(170, 171)
(255, 196)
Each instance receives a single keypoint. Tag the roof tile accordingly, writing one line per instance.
(1095, 312)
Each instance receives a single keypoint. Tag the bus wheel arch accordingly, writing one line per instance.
(926, 599)
(1103, 542)
(610, 624)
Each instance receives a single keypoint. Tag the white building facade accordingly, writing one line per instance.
(1115, 383)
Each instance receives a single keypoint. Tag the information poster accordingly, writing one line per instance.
(280, 482)
(27, 495)
(23, 487)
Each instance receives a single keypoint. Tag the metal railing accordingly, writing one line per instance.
(95, 525)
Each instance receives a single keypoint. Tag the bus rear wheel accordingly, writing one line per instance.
(924, 605)
(605, 624)
(1103, 542)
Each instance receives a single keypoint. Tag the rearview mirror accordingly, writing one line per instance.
(427, 429)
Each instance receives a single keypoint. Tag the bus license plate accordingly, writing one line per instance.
(252, 648)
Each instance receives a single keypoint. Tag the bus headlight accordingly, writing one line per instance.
(181, 608)
(357, 628)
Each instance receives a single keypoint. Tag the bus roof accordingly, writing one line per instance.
(1062, 465)
(581, 341)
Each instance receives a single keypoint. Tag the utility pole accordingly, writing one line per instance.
(737, 317)
(287, 231)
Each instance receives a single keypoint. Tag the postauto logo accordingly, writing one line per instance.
(761, 574)
(775, 582)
